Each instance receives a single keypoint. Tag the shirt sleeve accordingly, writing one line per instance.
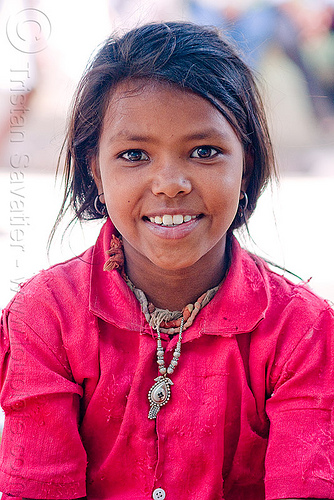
(300, 453)
(41, 453)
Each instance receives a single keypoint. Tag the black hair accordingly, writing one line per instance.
(193, 58)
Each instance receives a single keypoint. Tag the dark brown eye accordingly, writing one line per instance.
(204, 152)
(134, 155)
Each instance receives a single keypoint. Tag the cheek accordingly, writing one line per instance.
(119, 208)
(118, 193)
(226, 193)
(122, 210)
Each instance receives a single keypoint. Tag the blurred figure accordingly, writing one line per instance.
(125, 14)
(318, 44)
(256, 26)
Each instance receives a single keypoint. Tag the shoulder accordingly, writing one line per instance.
(50, 315)
(291, 312)
(63, 282)
(51, 302)
(66, 284)
(286, 296)
(294, 340)
(296, 321)
(255, 298)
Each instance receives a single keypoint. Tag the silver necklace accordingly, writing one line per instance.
(159, 394)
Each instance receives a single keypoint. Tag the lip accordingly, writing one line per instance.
(173, 232)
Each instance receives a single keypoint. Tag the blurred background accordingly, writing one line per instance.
(44, 48)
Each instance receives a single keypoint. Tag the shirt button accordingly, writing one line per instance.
(159, 494)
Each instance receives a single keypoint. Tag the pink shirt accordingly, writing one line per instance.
(250, 415)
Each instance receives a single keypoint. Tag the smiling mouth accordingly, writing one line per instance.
(171, 220)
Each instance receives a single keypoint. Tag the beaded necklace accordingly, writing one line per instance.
(171, 322)
(161, 320)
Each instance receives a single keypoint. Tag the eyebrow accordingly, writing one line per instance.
(129, 136)
(208, 134)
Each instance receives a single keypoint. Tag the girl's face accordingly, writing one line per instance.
(171, 170)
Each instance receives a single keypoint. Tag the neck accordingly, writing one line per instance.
(174, 289)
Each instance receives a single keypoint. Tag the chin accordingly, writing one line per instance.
(175, 264)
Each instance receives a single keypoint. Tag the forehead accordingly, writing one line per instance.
(144, 101)
(132, 94)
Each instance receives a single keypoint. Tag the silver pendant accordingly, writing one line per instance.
(159, 395)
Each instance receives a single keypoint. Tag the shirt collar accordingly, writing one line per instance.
(239, 305)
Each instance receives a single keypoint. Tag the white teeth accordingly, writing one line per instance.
(170, 220)
(156, 220)
(177, 219)
(167, 220)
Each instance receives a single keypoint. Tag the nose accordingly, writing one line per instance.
(171, 179)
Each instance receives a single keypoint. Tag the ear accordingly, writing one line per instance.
(248, 168)
(95, 168)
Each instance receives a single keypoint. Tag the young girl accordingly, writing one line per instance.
(165, 361)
